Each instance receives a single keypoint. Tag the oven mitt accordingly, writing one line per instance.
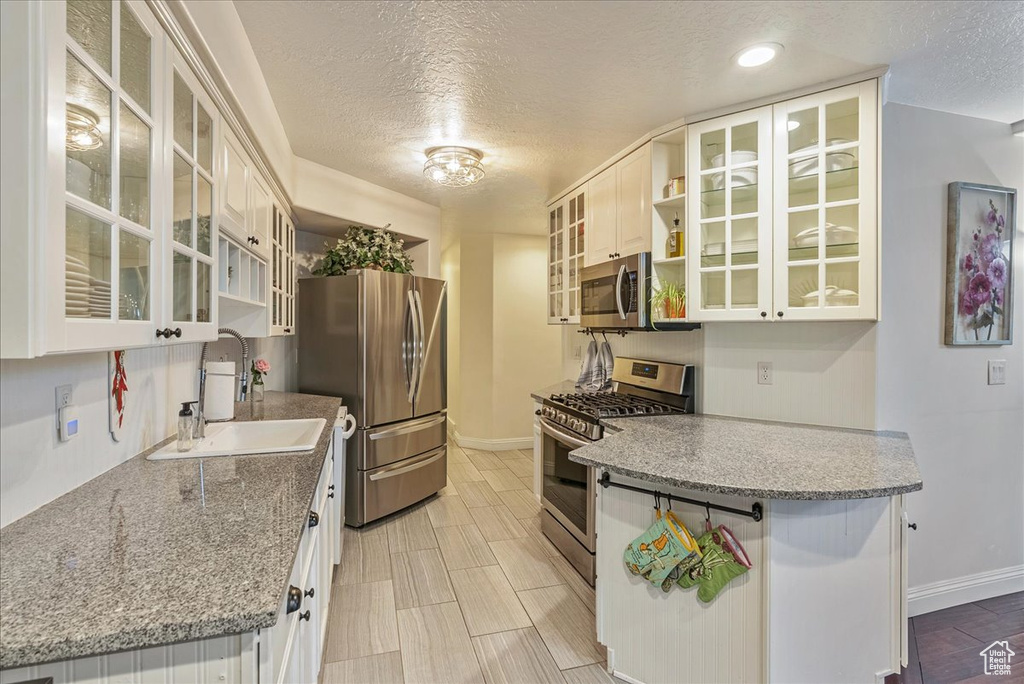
(716, 568)
(655, 553)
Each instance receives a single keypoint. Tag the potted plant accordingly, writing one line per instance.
(670, 300)
(374, 248)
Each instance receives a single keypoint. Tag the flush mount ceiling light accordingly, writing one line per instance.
(453, 166)
(756, 55)
(83, 131)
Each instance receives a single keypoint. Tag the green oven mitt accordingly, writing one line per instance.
(715, 569)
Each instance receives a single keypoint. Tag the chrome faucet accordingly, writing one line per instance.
(200, 430)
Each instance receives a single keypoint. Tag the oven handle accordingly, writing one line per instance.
(618, 291)
(548, 428)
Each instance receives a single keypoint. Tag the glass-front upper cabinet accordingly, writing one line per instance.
(729, 215)
(566, 253)
(189, 155)
(825, 205)
(282, 262)
(111, 241)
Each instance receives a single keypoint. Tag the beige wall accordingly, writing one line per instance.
(500, 346)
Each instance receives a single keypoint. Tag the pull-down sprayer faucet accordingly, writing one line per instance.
(200, 430)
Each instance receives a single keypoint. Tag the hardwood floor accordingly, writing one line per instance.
(945, 646)
(462, 588)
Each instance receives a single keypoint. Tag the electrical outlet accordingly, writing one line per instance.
(764, 373)
(997, 372)
(64, 396)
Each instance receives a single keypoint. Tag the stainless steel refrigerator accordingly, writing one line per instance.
(378, 341)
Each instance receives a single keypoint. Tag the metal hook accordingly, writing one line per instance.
(605, 336)
(669, 503)
(707, 512)
(657, 501)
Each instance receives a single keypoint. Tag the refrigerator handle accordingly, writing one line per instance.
(426, 346)
(416, 335)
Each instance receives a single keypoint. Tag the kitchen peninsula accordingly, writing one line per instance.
(829, 555)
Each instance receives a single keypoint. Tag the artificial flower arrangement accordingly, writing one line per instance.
(374, 248)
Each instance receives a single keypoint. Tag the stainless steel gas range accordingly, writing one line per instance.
(571, 421)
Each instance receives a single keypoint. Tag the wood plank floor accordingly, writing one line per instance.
(944, 646)
(462, 588)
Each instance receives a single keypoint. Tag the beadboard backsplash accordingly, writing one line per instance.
(824, 373)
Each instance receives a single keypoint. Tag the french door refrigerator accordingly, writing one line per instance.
(378, 341)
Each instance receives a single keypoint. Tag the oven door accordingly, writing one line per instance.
(568, 489)
(612, 294)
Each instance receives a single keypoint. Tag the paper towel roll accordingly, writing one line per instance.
(220, 390)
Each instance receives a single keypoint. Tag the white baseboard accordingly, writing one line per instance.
(954, 592)
(493, 444)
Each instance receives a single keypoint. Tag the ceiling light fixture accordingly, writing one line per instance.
(83, 131)
(756, 55)
(453, 166)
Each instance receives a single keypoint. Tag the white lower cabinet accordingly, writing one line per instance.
(289, 652)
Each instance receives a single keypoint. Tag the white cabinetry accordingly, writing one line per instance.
(282, 269)
(620, 208)
(786, 223)
(566, 247)
(246, 201)
(115, 214)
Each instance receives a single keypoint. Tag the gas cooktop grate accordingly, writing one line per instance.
(612, 404)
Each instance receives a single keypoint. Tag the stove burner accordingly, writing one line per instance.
(611, 404)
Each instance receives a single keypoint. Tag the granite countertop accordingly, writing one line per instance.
(754, 458)
(564, 387)
(158, 552)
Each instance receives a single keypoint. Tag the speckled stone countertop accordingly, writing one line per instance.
(564, 387)
(754, 458)
(157, 552)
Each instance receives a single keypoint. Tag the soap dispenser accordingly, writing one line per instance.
(186, 426)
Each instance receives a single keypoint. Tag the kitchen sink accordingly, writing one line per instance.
(255, 437)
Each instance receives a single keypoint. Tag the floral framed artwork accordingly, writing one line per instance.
(979, 267)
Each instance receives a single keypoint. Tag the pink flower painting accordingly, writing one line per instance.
(980, 292)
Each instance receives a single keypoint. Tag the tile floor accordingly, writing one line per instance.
(462, 588)
(945, 645)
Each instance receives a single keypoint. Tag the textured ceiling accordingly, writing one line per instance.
(549, 90)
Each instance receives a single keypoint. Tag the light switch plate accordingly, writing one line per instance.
(764, 373)
(997, 372)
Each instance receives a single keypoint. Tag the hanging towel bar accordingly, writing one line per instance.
(755, 512)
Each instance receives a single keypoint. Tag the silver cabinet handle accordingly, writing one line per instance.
(393, 472)
(548, 428)
(618, 292)
(406, 429)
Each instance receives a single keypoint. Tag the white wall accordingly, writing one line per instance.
(35, 467)
(968, 436)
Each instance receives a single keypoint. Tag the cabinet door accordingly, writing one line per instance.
(575, 251)
(729, 217)
(282, 268)
(825, 205)
(556, 263)
(602, 240)
(235, 177)
(634, 202)
(260, 216)
(189, 266)
(105, 238)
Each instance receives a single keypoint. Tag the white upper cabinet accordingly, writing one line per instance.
(235, 204)
(261, 216)
(282, 297)
(730, 217)
(567, 240)
(620, 208)
(793, 233)
(826, 206)
(603, 234)
(633, 188)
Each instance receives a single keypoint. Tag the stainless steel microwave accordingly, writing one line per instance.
(617, 295)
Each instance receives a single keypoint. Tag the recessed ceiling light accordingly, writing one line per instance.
(756, 55)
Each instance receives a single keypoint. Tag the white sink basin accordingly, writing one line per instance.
(256, 437)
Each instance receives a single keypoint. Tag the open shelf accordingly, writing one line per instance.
(676, 201)
(670, 260)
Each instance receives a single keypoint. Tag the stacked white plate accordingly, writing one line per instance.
(740, 177)
(76, 292)
(99, 298)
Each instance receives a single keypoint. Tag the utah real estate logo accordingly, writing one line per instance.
(997, 658)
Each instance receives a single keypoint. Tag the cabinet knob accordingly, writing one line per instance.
(310, 592)
(256, 240)
(160, 333)
(314, 519)
(176, 332)
(611, 256)
(912, 526)
(779, 314)
(304, 616)
(330, 495)
(764, 314)
(287, 330)
(294, 601)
